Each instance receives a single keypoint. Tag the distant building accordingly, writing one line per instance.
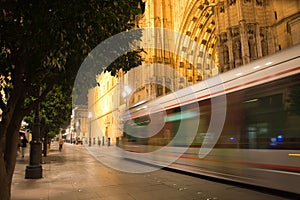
(79, 124)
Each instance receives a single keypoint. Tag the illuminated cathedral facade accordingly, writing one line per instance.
(227, 33)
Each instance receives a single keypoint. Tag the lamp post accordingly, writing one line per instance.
(34, 169)
(90, 127)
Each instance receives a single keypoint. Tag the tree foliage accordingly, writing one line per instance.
(54, 111)
(42, 46)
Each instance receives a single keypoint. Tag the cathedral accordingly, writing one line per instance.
(229, 33)
(188, 41)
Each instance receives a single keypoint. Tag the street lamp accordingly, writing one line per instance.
(34, 170)
(90, 127)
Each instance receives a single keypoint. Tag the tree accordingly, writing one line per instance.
(55, 112)
(42, 42)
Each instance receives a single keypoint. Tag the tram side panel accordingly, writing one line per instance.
(261, 131)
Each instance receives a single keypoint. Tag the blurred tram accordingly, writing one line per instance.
(259, 142)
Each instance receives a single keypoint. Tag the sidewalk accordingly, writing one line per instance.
(74, 174)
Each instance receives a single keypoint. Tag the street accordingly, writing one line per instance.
(75, 174)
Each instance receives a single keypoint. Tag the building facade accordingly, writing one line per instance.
(104, 109)
(228, 34)
(78, 130)
(214, 36)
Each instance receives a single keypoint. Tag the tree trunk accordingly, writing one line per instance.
(9, 134)
(8, 159)
(5, 187)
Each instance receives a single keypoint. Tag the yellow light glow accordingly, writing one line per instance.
(294, 154)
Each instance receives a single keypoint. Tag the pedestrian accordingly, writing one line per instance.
(19, 146)
(61, 142)
(24, 142)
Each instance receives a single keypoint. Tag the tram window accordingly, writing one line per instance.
(273, 101)
(293, 100)
(142, 121)
(270, 120)
(263, 117)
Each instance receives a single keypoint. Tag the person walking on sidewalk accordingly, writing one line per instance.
(61, 142)
(24, 142)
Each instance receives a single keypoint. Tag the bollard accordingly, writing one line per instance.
(108, 142)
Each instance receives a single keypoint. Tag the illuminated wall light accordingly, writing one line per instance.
(239, 74)
(127, 91)
(257, 67)
(90, 115)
